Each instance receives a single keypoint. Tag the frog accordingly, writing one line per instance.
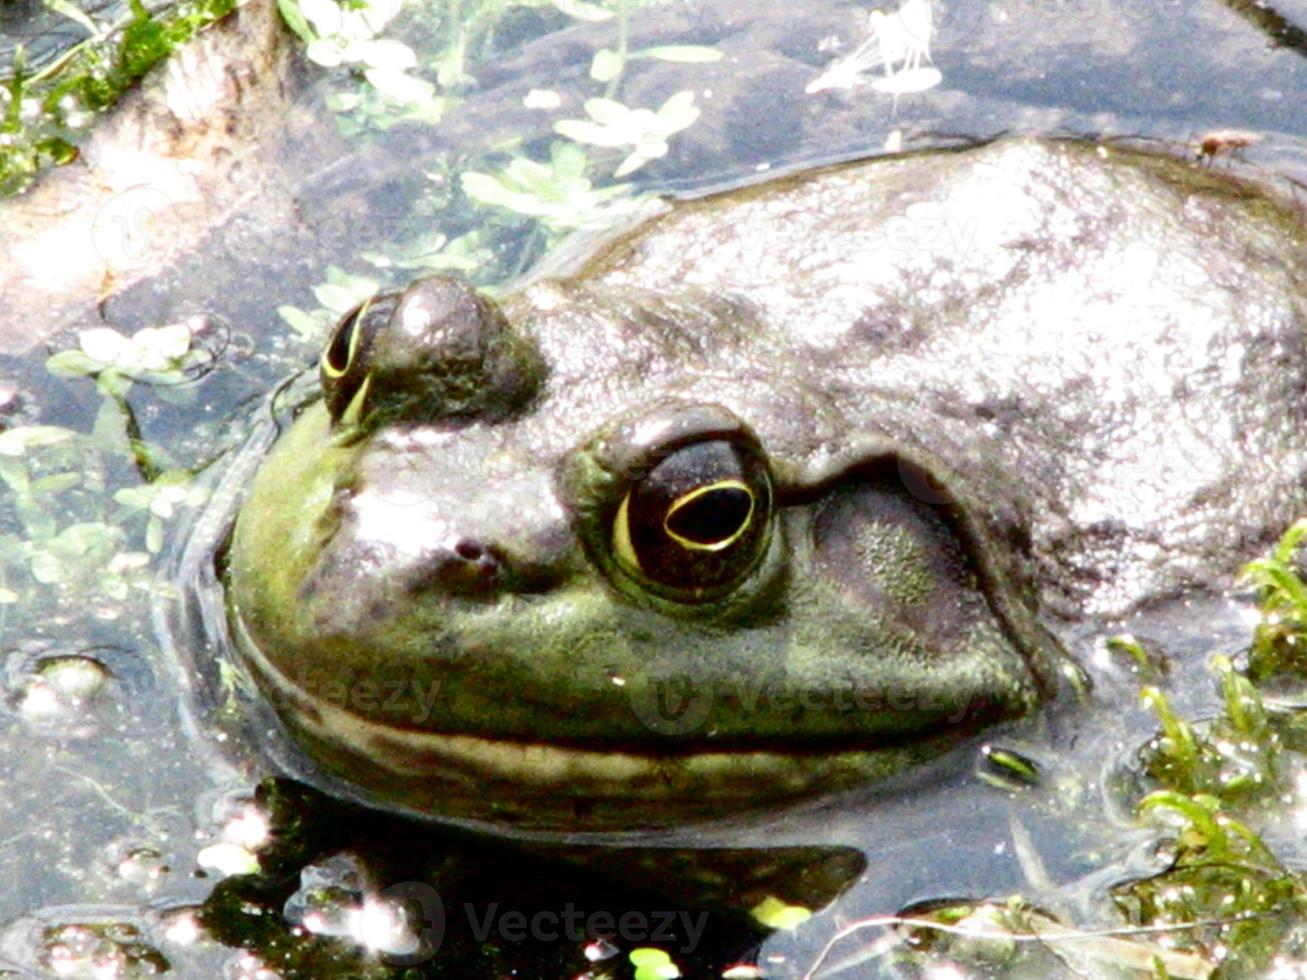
(777, 491)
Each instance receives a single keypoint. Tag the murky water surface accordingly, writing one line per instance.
(127, 813)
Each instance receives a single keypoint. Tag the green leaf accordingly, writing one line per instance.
(678, 112)
(154, 535)
(56, 483)
(607, 112)
(15, 476)
(113, 383)
(72, 364)
(133, 498)
(109, 431)
(639, 158)
(305, 324)
(606, 66)
(588, 132)
(16, 441)
(296, 21)
(71, 11)
(686, 54)
(47, 569)
(569, 160)
(484, 188)
(401, 87)
(338, 299)
(581, 10)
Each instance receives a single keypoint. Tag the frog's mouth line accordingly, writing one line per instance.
(549, 784)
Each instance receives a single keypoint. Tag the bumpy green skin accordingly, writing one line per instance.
(1024, 380)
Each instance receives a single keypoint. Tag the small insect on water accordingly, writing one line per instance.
(898, 41)
(1222, 142)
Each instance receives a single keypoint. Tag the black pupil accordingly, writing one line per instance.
(697, 523)
(338, 352)
(712, 516)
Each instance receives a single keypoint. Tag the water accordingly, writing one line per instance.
(110, 806)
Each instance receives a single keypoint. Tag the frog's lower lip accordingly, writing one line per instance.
(559, 786)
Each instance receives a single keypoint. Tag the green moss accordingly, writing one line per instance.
(44, 113)
(1279, 648)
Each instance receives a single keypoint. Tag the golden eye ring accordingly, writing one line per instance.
(697, 522)
(687, 500)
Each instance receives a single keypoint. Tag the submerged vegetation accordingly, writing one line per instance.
(85, 511)
(476, 207)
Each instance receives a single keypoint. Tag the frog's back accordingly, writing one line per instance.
(1122, 335)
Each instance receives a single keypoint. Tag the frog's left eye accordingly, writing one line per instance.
(345, 366)
(698, 522)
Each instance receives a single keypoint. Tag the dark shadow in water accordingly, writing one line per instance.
(485, 909)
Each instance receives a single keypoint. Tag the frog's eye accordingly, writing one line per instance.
(698, 522)
(345, 365)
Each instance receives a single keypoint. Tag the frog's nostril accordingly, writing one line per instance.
(469, 551)
(465, 568)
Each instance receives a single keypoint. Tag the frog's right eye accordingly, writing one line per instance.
(345, 367)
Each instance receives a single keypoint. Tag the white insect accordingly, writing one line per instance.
(898, 42)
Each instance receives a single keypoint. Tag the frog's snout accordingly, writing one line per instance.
(506, 543)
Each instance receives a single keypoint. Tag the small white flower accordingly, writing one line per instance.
(612, 125)
(542, 98)
(149, 349)
(103, 344)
